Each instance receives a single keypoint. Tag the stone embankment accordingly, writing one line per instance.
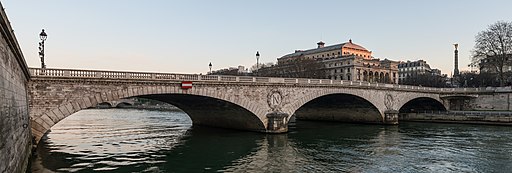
(468, 117)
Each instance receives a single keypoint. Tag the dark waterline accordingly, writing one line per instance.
(127, 140)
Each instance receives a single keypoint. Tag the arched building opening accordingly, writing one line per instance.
(339, 107)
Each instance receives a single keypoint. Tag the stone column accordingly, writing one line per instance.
(277, 122)
(391, 117)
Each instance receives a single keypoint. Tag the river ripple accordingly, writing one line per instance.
(128, 140)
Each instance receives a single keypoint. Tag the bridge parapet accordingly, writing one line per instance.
(123, 75)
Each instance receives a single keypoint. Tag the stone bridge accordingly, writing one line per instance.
(240, 102)
(121, 103)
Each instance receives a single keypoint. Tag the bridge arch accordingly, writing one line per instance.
(357, 106)
(420, 104)
(339, 107)
(254, 120)
(122, 104)
(105, 105)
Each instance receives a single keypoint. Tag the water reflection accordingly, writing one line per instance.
(153, 141)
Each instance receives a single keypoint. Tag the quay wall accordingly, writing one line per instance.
(15, 133)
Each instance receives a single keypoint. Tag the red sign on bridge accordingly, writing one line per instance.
(186, 84)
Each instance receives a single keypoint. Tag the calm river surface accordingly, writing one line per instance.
(128, 140)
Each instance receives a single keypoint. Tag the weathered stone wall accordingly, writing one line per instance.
(492, 102)
(15, 136)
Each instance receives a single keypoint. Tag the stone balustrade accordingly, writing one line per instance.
(101, 74)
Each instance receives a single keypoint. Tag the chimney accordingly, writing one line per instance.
(350, 41)
(320, 44)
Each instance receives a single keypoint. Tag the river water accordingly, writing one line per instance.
(129, 140)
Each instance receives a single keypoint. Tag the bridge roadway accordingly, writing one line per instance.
(260, 104)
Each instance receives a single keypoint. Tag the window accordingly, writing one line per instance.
(348, 71)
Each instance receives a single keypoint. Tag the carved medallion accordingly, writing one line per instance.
(388, 101)
(275, 99)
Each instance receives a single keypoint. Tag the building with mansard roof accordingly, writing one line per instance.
(345, 61)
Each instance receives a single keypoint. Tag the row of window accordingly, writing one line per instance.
(341, 70)
(339, 53)
(411, 68)
(340, 64)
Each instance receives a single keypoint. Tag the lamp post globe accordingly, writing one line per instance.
(210, 65)
(43, 35)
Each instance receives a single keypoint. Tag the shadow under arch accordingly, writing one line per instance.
(339, 107)
(213, 112)
(422, 104)
(124, 105)
(104, 105)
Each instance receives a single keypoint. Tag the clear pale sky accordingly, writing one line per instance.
(184, 36)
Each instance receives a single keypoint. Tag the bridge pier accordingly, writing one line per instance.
(391, 117)
(277, 122)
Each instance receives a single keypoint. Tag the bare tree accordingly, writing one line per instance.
(255, 67)
(300, 68)
(426, 80)
(493, 48)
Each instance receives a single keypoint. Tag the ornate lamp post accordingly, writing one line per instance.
(257, 60)
(210, 65)
(43, 37)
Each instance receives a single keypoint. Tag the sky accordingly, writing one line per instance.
(185, 36)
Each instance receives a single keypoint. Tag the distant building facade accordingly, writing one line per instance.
(411, 69)
(235, 71)
(345, 61)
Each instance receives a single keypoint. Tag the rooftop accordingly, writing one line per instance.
(348, 44)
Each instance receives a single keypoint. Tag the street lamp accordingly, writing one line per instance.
(43, 37)
(210, 65)
(257, 60)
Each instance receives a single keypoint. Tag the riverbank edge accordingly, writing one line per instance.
(491, 119)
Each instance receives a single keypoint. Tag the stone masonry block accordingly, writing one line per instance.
(76, 106)
(130, 92)
(47, 124)
(93, 100)
(87, 103)
(115, 95)
(36, 132)
(58, 113)
(104, 97)
(64, 111)
(120, 93)
(109, 96)
(98, 99)
(51, 116)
